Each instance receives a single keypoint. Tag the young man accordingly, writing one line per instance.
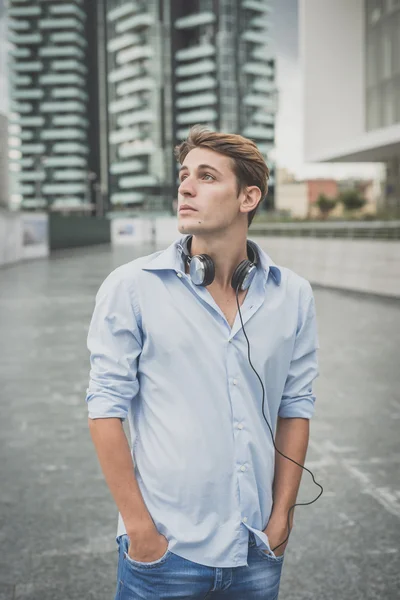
(203, 497)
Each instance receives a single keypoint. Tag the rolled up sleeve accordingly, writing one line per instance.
(298, 399)
(114, 343)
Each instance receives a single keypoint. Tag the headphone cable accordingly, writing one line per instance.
(272, 435)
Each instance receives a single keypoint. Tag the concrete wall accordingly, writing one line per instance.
(10, 238)
(358, 265)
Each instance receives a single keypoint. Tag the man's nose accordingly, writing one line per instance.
(186, 188)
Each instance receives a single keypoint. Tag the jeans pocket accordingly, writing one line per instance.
(269, 557)
(139, 564)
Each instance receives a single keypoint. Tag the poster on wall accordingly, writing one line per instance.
(35, 242)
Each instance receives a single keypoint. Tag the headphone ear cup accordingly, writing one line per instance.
(209, 269)
(240, 274)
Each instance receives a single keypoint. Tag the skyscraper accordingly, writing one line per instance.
(54, 107)
(173, 64)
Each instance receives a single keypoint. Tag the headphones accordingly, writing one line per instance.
(202, 272)
(202, 268)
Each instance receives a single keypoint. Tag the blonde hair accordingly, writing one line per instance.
(249, 165)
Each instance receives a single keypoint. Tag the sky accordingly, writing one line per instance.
(289, 135)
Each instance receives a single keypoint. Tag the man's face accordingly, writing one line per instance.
(208, 185)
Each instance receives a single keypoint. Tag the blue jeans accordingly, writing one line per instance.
(175, 578)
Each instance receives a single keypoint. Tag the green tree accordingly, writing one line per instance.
(325, 204)
(352, 200)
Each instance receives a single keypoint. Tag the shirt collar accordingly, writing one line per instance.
(170, 259)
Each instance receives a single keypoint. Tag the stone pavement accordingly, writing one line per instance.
(57, 518)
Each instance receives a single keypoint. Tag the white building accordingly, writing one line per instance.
(350, 53)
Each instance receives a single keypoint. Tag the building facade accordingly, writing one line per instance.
(352, 88)
(4, 173)
(54, 109)
(101, 92)
(173, 64)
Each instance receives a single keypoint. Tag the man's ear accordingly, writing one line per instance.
(251, 198)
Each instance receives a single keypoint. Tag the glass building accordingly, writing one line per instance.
(173, 64)
(54, 111)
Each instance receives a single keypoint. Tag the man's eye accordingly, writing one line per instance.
(208, 175)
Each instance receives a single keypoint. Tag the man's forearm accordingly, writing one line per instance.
(116, 462)
(291, 439)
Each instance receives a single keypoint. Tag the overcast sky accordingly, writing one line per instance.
(289, 144)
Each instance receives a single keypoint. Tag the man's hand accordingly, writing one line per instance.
(147, 548)
(277, 531)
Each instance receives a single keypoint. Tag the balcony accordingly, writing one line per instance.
(137, 148)
(63, 134)
(69, 120)
(136, 85)
(257, 132)
(31, 176)
(32, 148)
(122, 41)
(137, 181)
(130, 166)
(63, 107)
(70, 175)
(20, 80)
(123, 135)
(26, 136)
(19, 52)
(69, 23)
(260, 101)
(263, 85)
(62, 37)
(64, 188)
(28, 94)
(18, 25)
(135, 22)
(265, 149)
(21, 107)
(127, 198)
(199, 51)
(25, 38)
(68, 65)
(257, 69)
(262, 117)
(197, 100)
(32, 65)
(69, 92)
(195, 20)
(50, 51)
(31, 121)
(62, 78)
(137, 116)
(124, 104)
(197, 116)
(124, 73)
(70, 148)
(198, 68)
(24, 11)
(255, 37)
(65, 161)
(121, 11)
(67, 9)
(257, 5)
(199, 83)
(25, 190)
(135, 53)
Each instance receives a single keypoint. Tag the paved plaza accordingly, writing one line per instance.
(57, 518)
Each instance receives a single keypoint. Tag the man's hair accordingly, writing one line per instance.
(248, 163)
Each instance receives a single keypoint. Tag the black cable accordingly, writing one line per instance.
(272, 435)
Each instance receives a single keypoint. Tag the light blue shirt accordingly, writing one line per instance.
(164, 356)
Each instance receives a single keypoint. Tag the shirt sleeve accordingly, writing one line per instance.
(114, 343)
(298, 399)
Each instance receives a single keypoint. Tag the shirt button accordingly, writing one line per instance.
(179, 275)
(240, 426)
(234, 382)
(243, 468)
(244, 519)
